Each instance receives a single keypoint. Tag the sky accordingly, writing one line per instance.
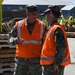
(73, 1)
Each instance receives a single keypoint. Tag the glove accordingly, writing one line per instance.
(13, 41)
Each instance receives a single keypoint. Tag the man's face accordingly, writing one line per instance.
(32, 16)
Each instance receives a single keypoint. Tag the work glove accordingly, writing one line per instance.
(13, 41)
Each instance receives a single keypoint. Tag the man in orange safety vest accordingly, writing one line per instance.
(55, 53)
(29, 34)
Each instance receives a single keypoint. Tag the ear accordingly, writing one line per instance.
(51, 14)
(26, 13)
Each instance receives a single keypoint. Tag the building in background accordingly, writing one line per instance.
(42, 4)
(16, 5)
(68, 10)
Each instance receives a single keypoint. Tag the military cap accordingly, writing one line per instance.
(31, 8)
(53, 8)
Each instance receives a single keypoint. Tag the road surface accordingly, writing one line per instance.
(70, 70)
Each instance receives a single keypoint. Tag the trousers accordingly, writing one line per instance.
(27, 66)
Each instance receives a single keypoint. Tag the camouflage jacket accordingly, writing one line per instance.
(60, 46)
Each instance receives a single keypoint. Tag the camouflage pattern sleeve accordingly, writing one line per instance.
(13, 32)
(60, 46)
(13, 36)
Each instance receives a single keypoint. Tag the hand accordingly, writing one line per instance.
(19, 41)
(56, 67)
(12, 41)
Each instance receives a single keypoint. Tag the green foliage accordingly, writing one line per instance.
(70, 28)
(43, 18)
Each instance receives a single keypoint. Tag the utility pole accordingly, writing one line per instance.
(1, 15)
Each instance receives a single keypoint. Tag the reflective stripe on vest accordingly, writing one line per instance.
(41, 29)
(52, 58)
(19, 25)
(30, 41)
(50, 32)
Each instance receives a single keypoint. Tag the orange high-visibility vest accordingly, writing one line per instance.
(49, 48)
(31, 44)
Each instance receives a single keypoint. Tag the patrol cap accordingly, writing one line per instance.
(31, 8)
(54, 9)
(45, 12)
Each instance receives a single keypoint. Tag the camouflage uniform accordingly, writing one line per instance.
(52, 15)
(27, 66)
(60, 48)
(49, 70)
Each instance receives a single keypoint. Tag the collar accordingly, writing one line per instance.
(27, 23)
(53, 22)
(31, 23)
